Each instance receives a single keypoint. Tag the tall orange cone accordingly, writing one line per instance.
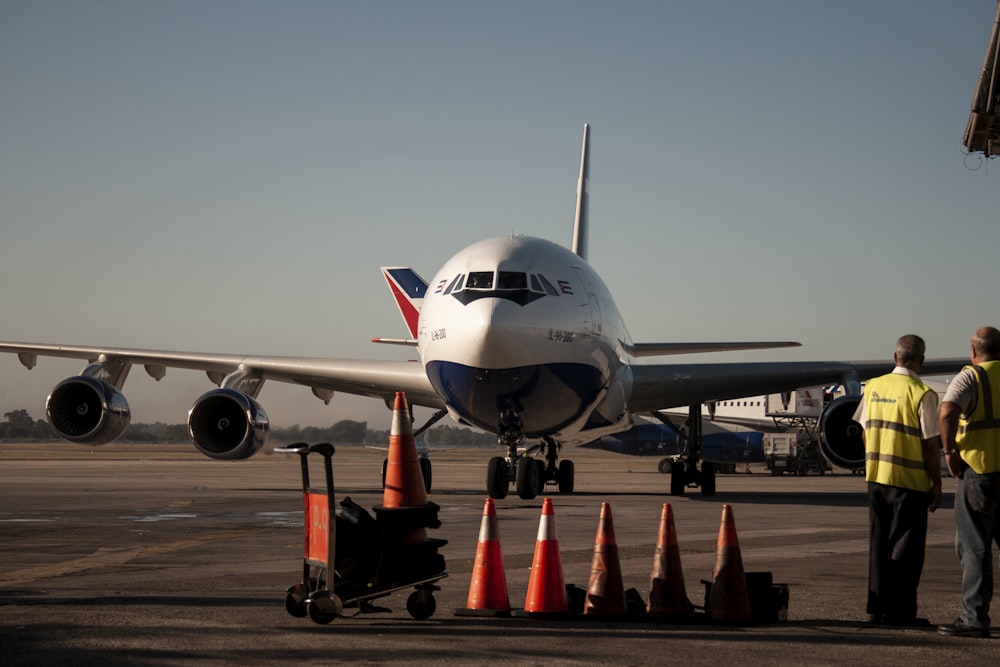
(404, 485)
(605, 592)
(729, 599)
(667, 594)
(488, 588)
(546, 590)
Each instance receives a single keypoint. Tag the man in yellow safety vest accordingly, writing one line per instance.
(903, 469)
(969, 420)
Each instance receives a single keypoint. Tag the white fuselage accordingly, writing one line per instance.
(524, 324)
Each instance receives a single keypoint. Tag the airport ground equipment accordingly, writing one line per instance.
(355, 559)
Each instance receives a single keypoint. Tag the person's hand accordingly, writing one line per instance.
(954, 462)
(935, 499)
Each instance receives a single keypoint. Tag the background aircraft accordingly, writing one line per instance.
(515, 335)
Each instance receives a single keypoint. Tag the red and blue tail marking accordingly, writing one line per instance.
(408, 289)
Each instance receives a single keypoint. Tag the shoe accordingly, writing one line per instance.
(908, 622)
(961, 628)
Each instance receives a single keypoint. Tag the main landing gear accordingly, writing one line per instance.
(685, 472)
(529, 475)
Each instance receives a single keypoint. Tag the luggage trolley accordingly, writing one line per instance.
(366, 562)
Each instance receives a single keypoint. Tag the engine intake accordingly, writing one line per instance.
(840, 436)
(227, 425)
(87, 410)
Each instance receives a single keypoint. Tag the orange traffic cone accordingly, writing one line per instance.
(605, 592)
(404, 485)
(488, 588)
(729, 599)
(546, 590)
(667, 595)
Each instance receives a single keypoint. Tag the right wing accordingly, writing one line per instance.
(224, 423)
(661, 386)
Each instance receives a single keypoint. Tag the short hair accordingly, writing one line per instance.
(986, 342)
(910, 348)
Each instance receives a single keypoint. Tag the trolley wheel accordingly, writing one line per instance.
(295, 600)
(421, 604)
(324, 606)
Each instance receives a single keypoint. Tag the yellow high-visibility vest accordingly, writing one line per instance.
(978, 436)
(894, 454)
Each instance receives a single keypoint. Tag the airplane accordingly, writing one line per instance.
(722, 448)
(516, 335)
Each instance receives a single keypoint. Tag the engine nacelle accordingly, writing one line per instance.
(227, 424)
(87, 410)
(840, 436)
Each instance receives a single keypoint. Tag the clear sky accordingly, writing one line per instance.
(228, 175)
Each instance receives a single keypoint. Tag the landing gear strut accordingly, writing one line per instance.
(685, 471)
(529, 474)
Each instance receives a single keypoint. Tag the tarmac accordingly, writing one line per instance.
(154, 555)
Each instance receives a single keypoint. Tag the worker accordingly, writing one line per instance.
(970, 439)
(903, 469)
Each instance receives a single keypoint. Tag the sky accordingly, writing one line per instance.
(229, 175)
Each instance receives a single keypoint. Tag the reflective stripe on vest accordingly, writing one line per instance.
(978, 436)
(894, 453)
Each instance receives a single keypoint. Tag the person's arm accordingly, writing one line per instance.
(932, 463)
(948, 415)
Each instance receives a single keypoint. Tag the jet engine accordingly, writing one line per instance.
(87, 410)
(841, 436)
(227, 424)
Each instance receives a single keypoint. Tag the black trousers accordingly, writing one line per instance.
(898, 523)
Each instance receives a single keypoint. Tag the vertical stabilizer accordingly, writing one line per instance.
(582, 196)
(408, 290)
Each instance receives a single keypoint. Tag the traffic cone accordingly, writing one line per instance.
(667, 595)
(546, 590)
(605, 592)
(488, 588)
(729, 598)
(404, 485)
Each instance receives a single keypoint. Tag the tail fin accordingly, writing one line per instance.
(582, 198)
(408, 289)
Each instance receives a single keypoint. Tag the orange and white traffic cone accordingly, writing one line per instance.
(404, 485)
(667, 594)
(546, 590)
(488, 588)
(404, 512)
(605, 591)
(729, 598)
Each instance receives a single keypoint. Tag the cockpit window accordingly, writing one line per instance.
(549, 289)
(512, 280)
(456, 284)
(480, 280)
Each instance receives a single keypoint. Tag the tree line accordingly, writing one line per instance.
(19, 425)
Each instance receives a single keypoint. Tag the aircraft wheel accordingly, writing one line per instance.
(526, 478)
(496, 478)
(664, 466)
(677, 480)
(541, 475)
(425, 471)
(567, 476)
(707, 478)
(295, 600)
(421, 605)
